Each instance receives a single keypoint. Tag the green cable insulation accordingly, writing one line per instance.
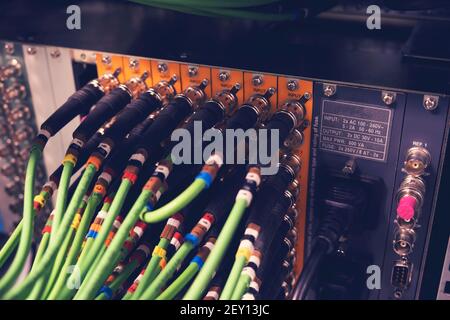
(26, 235)
(253, 15)
(160, 281)
(180, 282)
(107, 263)
(181, 201)
(37, 289)
(99, 242)
(94, 265)
(221, 12)
(61, 198)
(127, 296)
(172, 7)
(233, 278)
(12, 242)
(59, 262)
(150, 277)
(47, 260)
(241, 287)
(205, 275)
(121, 278)
(151, 271)
(214, 3)
(83, 227)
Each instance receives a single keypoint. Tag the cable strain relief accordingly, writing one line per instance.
(41, 139)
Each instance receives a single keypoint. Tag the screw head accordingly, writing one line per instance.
(430, 102)
(162, 67)
(292, 85)
(9, 48)
(133, 63)
(192, 71)
(83, 56)
(31, 50)
(257, 80)
(55, 53)
(329, 90)
(106, 60)
(388, 98)
(307, 95)
(224, 76)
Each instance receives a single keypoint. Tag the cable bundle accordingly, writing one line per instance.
(94, 246)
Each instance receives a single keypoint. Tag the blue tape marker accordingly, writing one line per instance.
(192, 239)
(107, 291)
(198, 261)
(206, 177)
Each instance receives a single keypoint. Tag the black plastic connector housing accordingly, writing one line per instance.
(104, 109)
(78, 103)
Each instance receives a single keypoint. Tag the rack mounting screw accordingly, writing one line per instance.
(329, 90)
(192, 71)
(224, 76)
(106, 60)
(9, 48)
(55, 53)
(292, 85)
(388, 97)
(257, 80)
(430, 102)
(31, 50)
(162, 67)
(133, 63)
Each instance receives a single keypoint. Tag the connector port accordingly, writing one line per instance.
(417, 161)
(404, 241)
(401, 276)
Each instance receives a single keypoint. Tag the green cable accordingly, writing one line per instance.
(160, 281)
(45, 264)
(241, 287)
(99, 242)
(220, 11)
(233, 278)
(121, 278)
(181, 201)
(107, 262)
(151, 270)
(61, 198)
(76, 246)
(10, 244)
(179, 283)
(253, 15)
(26, 235)
(85, 249)
(205, 275)
(215, 3)
(59, 262)
(37, 289)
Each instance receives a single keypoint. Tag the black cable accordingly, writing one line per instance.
(104, 109)
(318, 252)
(78, 103)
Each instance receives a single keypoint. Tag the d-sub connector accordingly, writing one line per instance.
(401, 276)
